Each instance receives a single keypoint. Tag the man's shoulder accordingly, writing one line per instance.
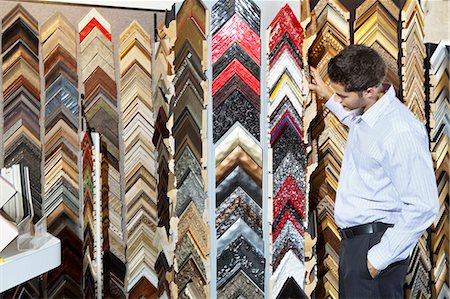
(400, 120)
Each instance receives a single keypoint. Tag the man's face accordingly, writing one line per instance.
(349, 100)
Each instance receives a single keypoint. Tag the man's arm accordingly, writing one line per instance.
(409, 166)
(347, 117)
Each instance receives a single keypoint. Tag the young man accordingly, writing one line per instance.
(387, 195)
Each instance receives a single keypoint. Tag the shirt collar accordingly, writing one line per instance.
(373, 113)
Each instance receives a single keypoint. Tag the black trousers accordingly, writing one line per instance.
(355, 280)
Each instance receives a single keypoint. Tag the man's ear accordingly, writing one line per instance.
(371, 92)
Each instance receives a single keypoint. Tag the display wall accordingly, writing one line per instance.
(180, 154)
(68, 69)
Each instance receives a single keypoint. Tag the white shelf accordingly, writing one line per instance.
(20, 266)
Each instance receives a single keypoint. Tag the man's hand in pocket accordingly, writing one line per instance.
(373, 272)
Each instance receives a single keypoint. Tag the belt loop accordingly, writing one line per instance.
(350, 234)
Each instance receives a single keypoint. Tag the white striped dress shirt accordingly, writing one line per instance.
(387, 175)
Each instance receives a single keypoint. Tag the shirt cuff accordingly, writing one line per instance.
(377, 258)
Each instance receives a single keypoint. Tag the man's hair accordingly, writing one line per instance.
(357, 68)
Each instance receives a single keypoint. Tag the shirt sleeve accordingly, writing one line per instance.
(347, 117)
(410, 169)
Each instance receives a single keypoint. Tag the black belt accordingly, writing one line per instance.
(364, 229)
